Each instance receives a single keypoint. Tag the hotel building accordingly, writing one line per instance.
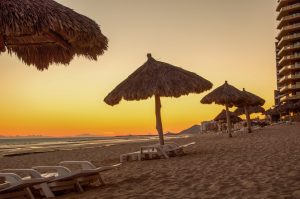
(288, 51)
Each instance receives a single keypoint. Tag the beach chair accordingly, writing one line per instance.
(130, 156)
(173, 149)
(63, 180)
(91, 172)
(37, 181)
(167, 150)
(16, 187)
(153, 152)
(14, 192)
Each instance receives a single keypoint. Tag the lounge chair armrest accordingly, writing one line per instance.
(111, 166)
(189, 144)
(11, 177)
(31, 172)
(84, 164)
(61, 171)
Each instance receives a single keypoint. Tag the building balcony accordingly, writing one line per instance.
(288, 38)
(289, 87)
(290, 97)
(282, 3)
(288, 19)
(288, 58)
(286, 9)
(288, 68)
(288, 78)
(286, 29)
(287, 49)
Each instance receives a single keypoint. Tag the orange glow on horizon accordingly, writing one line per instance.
(235, 43)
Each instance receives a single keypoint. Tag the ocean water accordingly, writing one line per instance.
(21, 146)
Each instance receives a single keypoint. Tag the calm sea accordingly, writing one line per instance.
(21, 146)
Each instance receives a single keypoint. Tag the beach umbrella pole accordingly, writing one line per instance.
(248, 119)
(228, 121)
(159, 126)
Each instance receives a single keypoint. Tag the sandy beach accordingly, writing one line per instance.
(264, 164)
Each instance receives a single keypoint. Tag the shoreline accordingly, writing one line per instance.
(11, 150)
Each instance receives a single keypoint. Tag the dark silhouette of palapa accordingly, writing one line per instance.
(251, 109)
(44, 32)
(159, 79)
(226, 95)
(222, 116)
(250, 100)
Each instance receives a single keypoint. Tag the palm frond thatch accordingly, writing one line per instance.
(251, 109)
(157, 78)
(222, 117)
(272, 111)
(252, 99)
(42, 32)
(225, 94)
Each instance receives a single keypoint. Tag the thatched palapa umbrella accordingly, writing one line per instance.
(223, 117)
(225, 95)
(250, 100)
(158, 79)
(43, 32)
(251, 109)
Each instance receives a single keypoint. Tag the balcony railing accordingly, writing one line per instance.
(289, 77)
(289, 67)
(287, 18)
(289, 87)
(288, 38)
(281, 3)
(289, 47)
(288, 28)
(290, 97)
(287, 8)
(289, 57)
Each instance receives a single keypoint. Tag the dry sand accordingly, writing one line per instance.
(264, 164)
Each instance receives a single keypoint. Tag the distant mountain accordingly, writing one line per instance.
(192, 130)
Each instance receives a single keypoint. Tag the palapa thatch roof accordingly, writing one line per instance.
(43, 32)
(251, 109)
(157, 78)
(222, 117)
(225, 94)
(272, 111)
(252, 99)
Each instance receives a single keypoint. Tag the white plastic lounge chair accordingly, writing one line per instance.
(130, 156)
(174, 147)
(87, 168)
(163, 151)
(64, 179)
(15, 192)
(16, 187)
(33, 178)
(7, 191)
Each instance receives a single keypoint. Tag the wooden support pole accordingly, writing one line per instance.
(248, 119)
(228, 121)
(159, 126)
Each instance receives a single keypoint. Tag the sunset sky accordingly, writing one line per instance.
(219, 40)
